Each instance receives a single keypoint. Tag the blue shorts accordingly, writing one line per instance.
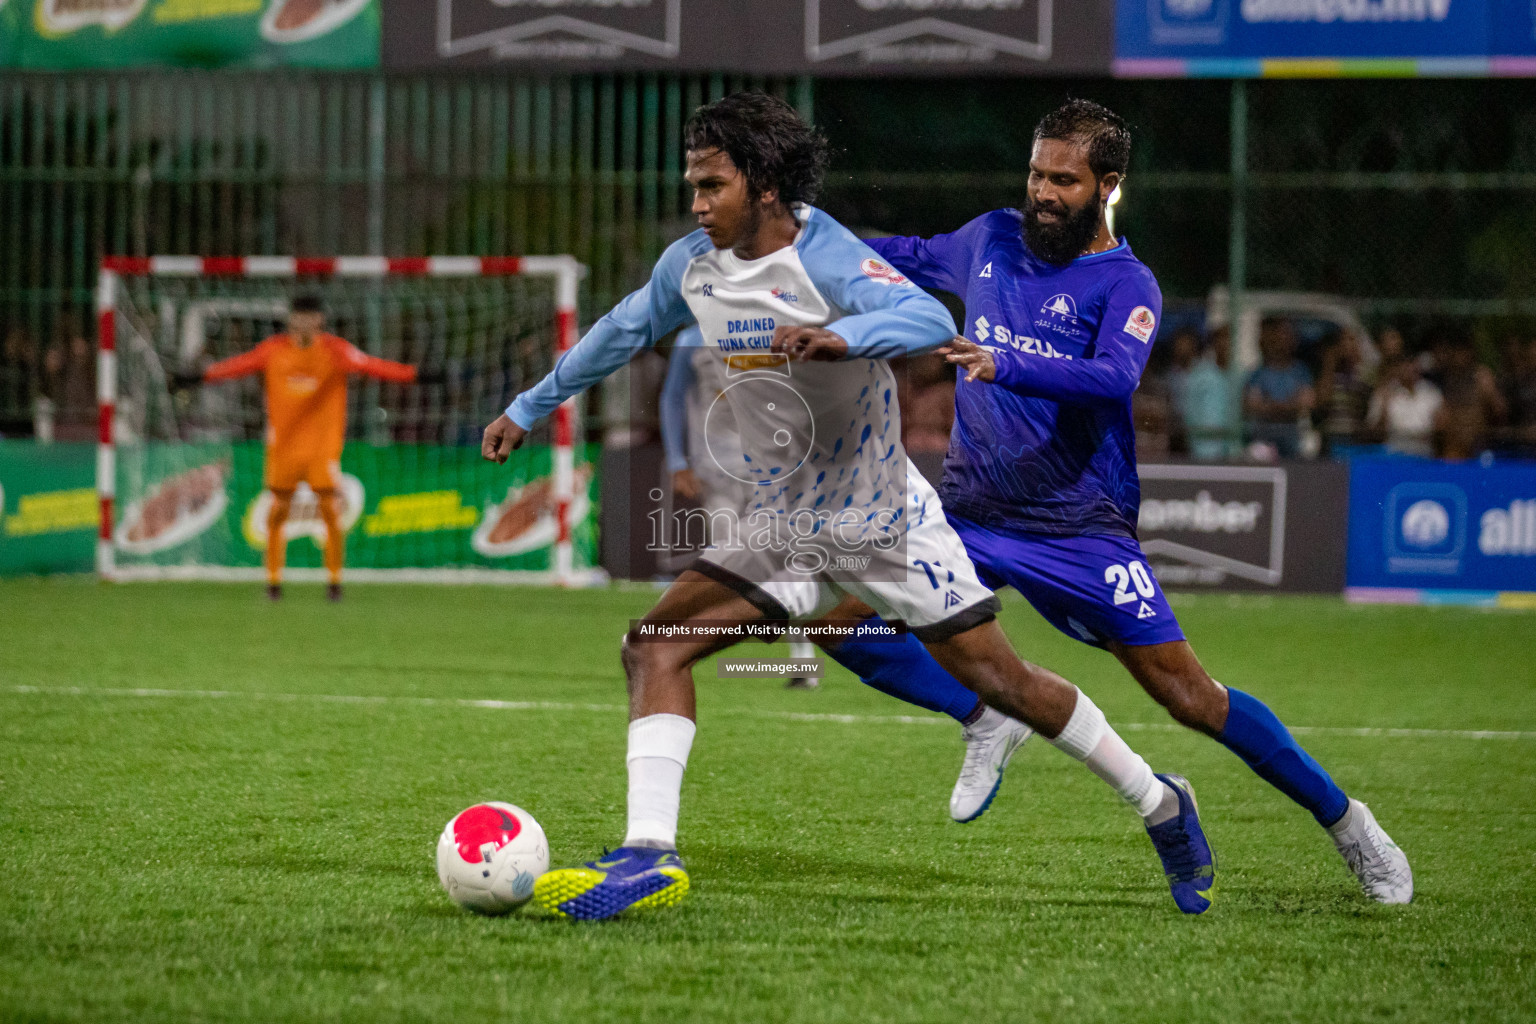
(1095, 588)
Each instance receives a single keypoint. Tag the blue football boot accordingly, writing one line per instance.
(1188, 859)
(631, 878)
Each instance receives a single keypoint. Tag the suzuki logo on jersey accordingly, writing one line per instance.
(1061, 307)
(1002, 335)
(881, 273)
(784, 296)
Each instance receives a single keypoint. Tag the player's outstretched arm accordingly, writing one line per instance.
(888, 315)
(634, 324)
(1109, 372)
(361, 362)
(243, 365)
(942, 262)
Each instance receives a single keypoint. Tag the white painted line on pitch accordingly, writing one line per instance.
(793, 716)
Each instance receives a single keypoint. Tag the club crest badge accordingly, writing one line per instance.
(882, 273)
(1141, 324)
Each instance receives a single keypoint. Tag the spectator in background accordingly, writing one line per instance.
(1279, 392)
(927, 396)
(1520, 392)
(18, 382)
(1152, 414)
(1473, 403)
(69, 380)
(1206, 409)
(1184, 353)
(1391, 347)
(1343, 390)
(1406, 410)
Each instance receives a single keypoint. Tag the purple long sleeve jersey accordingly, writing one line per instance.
(1049, 446)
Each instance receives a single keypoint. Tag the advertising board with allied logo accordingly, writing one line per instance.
(1424, 531)
(770, 37)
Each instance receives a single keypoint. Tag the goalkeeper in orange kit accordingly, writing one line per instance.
(305, 380)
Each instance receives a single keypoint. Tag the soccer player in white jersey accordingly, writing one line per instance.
(779, 288)
(690, 399)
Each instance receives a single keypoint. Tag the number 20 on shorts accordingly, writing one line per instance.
(1123, 576)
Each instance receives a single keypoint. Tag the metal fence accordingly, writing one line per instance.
(1412, 199)
(218, 163)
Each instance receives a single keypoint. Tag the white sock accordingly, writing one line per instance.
(658, 753)
(802, 650)
(1089, 738)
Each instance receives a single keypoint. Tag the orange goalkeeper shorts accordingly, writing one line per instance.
(286, 470)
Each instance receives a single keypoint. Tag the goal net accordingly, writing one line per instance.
(179, 471)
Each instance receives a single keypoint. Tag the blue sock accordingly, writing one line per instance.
(903, 668)
(1254, 734)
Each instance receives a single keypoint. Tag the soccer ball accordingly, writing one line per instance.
(489, 856)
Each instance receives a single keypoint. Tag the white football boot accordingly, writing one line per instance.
(801, 650)
(1374, 858)
(989, 742)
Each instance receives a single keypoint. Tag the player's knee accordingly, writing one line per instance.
(1194, 702)
(642, 658)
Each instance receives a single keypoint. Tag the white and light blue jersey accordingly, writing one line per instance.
(814, 435)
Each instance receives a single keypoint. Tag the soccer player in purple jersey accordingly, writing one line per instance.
(1040, 479)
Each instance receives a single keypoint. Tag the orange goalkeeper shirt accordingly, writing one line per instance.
(306, 389)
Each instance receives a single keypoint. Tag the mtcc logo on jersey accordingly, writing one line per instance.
(1061, 307)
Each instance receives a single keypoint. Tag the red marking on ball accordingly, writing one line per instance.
(483, 824)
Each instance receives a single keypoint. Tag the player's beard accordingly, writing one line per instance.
(1065, 240)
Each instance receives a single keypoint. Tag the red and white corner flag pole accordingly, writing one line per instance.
(567, 276)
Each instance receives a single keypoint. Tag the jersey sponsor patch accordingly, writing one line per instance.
(882, 273)
(1140, 324)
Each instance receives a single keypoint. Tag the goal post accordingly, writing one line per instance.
(177, 473)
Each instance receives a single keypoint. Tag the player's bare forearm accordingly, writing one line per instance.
(809, 343)
(500, 438)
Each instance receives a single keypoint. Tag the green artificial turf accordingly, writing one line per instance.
(249, 850)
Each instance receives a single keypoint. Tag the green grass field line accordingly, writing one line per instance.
(266, 855)
(793, 716)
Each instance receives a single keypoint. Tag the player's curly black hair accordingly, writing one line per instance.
(1103, 131)
(767, 140)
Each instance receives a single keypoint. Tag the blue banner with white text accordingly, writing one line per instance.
(1239, 37)
(1420, 525)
